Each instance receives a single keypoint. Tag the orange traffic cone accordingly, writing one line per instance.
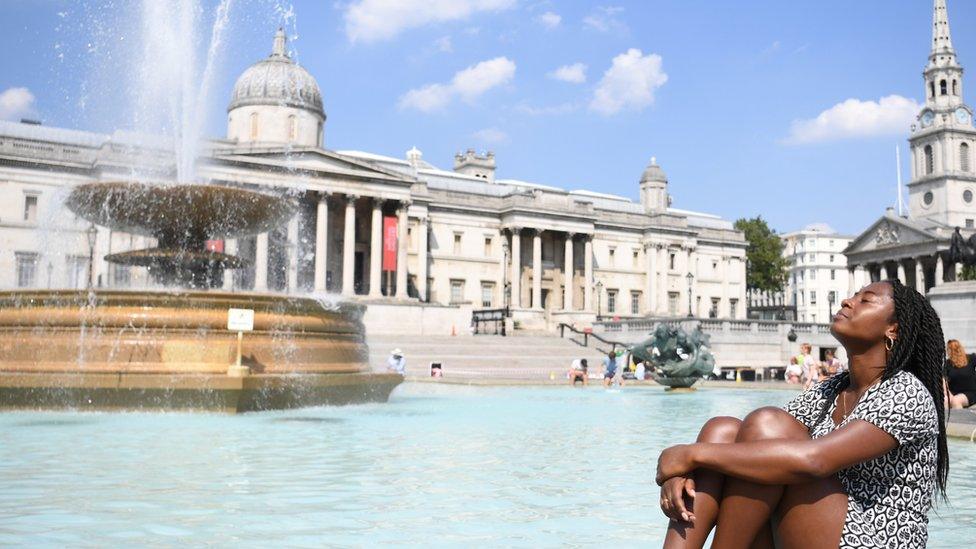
(453, 330)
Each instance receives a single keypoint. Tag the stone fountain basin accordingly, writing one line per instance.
(168, 349)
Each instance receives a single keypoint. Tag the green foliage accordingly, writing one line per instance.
(767, 267)
(968, 272)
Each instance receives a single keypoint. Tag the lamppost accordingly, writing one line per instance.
(92, 234)
(691, 278)
(831, 297)
(599, 298)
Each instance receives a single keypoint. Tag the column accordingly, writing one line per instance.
(568, 274)
(858, 279)
(422, 229)
(349, 248)
(261, 263)
(939, 271)
(665, 264)
(851, 280)
(321, 241)
(650, 255)
(230, 248)
(293, 249)
(588, 273)
(902, 277)
(537, 269)
(401, 268)
(376, 250)
(919, 276)
(693, 269)
(516, 268)
(725, 305)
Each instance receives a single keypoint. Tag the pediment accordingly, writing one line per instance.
(889, 232)
(318, 160)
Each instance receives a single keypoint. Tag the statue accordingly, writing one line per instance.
(961, 249)
(674, 357)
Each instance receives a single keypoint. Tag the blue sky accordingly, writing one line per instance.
(724, 94)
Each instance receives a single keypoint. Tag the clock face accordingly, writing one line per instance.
(927, 119)
(962, 116)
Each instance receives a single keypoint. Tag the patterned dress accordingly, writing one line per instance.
(888, 497)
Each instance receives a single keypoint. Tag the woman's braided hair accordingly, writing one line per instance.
(920, 350)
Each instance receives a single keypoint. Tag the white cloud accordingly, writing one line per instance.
(468, 84)
(629, 83)
(15, 103)
(490, 136)
(854, 118)
(574, 74)
(551, 110)
(549, 20)
(443, 44)
(604, 19)
(376, 20)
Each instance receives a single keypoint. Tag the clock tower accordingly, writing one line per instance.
(943, 139)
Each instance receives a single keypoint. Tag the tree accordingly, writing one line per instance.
(766, 268)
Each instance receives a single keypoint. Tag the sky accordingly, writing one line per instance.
(788, 110)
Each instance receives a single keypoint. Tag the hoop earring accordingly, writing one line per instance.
(889, 343)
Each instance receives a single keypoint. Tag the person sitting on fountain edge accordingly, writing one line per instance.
(609, 368)
(396, 363)
(855, 461)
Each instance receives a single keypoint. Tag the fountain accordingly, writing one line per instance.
(177, 346)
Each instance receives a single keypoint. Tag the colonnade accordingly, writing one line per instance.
(922, 272)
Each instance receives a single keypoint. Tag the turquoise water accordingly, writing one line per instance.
(437, 465)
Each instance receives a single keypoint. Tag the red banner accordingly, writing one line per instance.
(389, 243)
(214, 246)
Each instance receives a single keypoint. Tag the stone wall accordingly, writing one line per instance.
(956, 304)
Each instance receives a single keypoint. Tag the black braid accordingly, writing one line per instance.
(919, 349)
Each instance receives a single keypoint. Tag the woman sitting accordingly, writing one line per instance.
(960, 375)
(852, 462)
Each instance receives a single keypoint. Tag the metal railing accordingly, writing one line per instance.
(587, 335)
(483, 319)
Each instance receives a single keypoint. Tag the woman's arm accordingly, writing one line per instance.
(780, 461)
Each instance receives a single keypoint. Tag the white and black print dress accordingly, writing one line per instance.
(889, 497)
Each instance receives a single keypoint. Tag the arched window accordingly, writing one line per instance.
(929, 160)
(292, 128)
(932, 89)
(955, 87)
(254, 126)
(943, 87)
(964, 157)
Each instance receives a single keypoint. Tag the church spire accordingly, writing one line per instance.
(942, 51)
(279, 44)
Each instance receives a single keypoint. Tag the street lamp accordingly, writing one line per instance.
(599, 298)
(831, 297)
(92, 234)
(691, 279)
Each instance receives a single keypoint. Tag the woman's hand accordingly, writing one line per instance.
(673, 462)
(677, 496)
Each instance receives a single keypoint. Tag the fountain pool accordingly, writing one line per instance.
(436, 465)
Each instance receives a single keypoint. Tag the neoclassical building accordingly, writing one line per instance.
(914, 247)
(378, 228)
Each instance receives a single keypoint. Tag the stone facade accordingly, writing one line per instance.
(462, 237)
(913, 247)
(817, 278)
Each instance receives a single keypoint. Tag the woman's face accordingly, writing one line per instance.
(867, 316)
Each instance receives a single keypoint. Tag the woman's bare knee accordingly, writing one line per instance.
(771, 423)
(721, 429)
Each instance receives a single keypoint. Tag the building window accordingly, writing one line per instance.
(488, 250)
(929, 160)
(122, 276)
(833, 274)
(457, 291)
(943, 87)
(813, 274)
(671, 261)
(955, 87)
(964, 157)
(811, 258)
(457, 243)
(26, 269)
(813, 297)
(635, 262)
(928, 197)
(292, 128)
(487, 294)
(673, 303)
(77, 271)
(969, 223)
(30, 208)
(713, 312)
(611, 301)
(733, 305)
(831, 258)
(967, 196)
(831, 244)
(635, 299)
(612, 254)
(254, 126)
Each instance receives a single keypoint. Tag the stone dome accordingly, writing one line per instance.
(277, 81)
(653, 172)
